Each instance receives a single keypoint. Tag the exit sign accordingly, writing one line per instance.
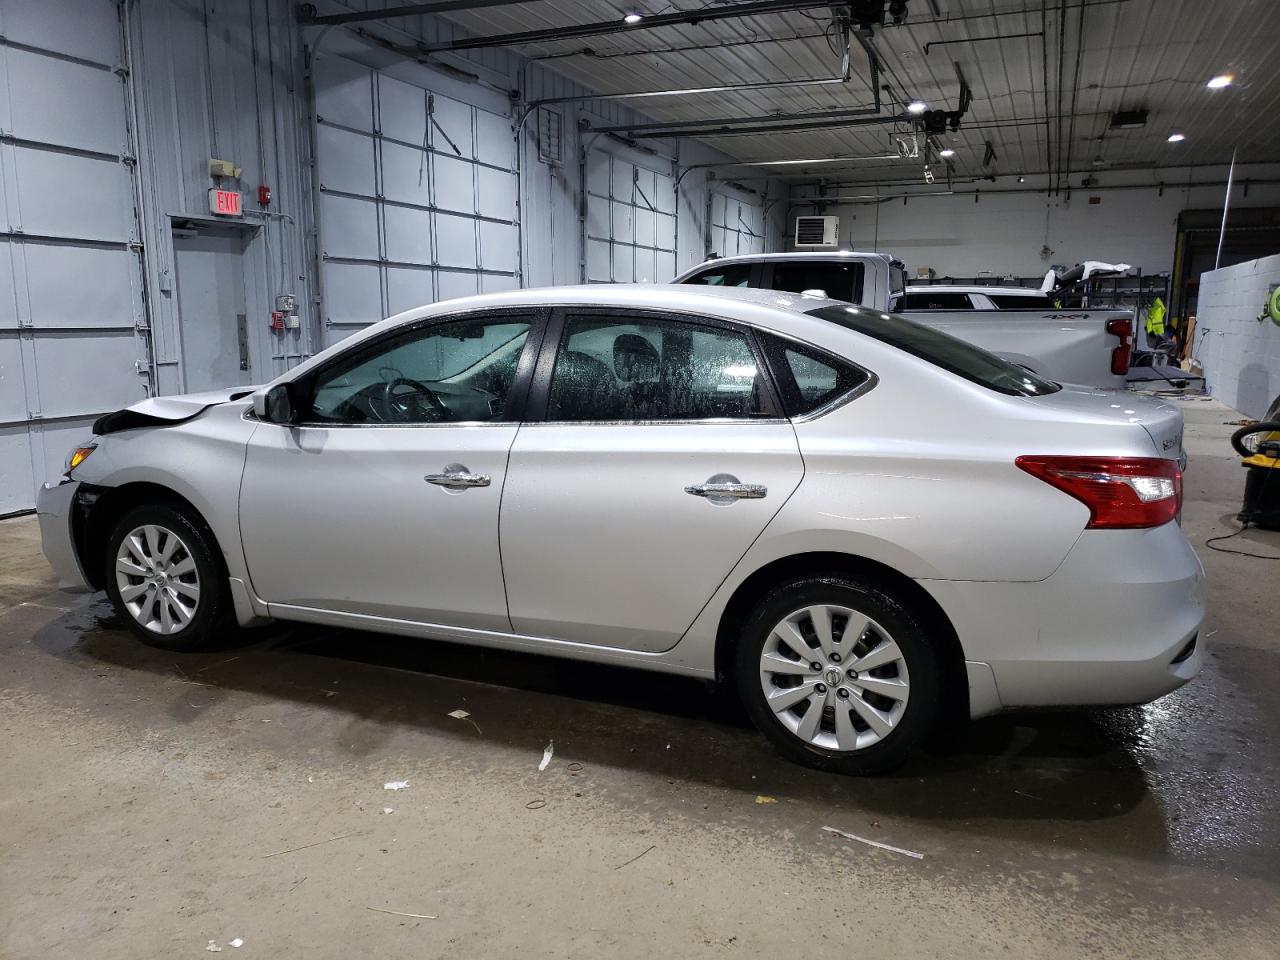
(225, 203)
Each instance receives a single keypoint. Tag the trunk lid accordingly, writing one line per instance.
(1162, 421)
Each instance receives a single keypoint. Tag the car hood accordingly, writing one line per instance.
(159, 411)
(1162, 421)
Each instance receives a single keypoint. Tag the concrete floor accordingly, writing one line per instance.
(150, 803)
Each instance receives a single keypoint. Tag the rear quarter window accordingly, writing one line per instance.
(809, 379)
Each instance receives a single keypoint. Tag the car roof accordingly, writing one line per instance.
(835, 255)
(972, 288)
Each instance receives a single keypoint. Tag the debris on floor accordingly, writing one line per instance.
(461, 714)
(874, 843)
(763, 799)
(308, 846)
(388, 810)
(397, 913)
(395, 785)
(547, 754)
(535, 804)
(238, 942)
(213, 947)
(636, 857)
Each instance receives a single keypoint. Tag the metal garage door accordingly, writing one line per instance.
(737, 225)
(418, 196)
(631, 222)
(72, 343)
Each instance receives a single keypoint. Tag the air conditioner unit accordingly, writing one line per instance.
(817, 232)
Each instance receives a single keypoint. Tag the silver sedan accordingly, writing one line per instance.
(864, 525)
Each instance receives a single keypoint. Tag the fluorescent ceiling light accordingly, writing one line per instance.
(917, 107)
(632, 17)
(1220, 81)
(1177, 137)
(946, 152)
(792, 163)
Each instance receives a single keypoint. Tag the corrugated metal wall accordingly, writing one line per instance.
(222, 79)
(71, 311)
(110, 111)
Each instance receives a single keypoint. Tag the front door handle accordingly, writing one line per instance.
(458, 477)
(725, 488)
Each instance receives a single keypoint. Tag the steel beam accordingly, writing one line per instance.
(831, 123)
(754, 8)
(718, 122)
(307, 14)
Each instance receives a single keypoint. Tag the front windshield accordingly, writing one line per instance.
(940, 349)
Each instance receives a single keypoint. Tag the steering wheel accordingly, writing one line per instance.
(395, 409)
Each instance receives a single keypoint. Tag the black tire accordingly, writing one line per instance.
(879, 604)
(213, 624)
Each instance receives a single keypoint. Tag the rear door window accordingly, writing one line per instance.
(613, 368)
(839, 281)
(926, 300)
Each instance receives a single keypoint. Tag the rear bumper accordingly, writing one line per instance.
(1117, 623)
(55, 505)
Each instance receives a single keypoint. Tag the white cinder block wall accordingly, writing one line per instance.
(1015, 230)
(1241, 355)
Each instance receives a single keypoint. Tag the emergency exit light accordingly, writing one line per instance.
(225, 203)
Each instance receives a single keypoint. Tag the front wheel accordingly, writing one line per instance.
(838, 674)
(165, 577)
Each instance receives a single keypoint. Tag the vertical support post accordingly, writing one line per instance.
(1226, 204)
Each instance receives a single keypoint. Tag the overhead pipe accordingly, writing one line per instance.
(308, 15)
(754, 8)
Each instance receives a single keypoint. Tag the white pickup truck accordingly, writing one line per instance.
(1090, 347)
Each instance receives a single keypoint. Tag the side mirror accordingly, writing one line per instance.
(276, 404)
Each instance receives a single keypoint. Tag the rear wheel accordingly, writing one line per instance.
(165, 577)
(838, 674)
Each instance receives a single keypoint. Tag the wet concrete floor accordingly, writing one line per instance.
(151, 802)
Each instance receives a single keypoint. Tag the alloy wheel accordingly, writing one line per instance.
(157, 579)
(834, 677)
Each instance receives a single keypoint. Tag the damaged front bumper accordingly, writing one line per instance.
(55, 506)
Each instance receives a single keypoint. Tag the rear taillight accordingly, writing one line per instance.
(1121, 327)
(1120, 492)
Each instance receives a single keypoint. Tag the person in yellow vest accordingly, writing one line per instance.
(1155, 318)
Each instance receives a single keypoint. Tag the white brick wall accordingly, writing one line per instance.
(1241, 356)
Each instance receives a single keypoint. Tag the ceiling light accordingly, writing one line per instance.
(632, 17)
(917, 107)
(1220, 81)
(947, 152)
(1177, 137)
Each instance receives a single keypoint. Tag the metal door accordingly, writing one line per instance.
(735, 225)
(613, 532)
(209, 269)
(419, 199)
(391, 519)
(342, 518)
(72, 326)
(631, 222)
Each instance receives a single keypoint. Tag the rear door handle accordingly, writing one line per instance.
(725, 488)
(458, 477)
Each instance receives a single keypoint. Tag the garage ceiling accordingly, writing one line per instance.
(1042, 95)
